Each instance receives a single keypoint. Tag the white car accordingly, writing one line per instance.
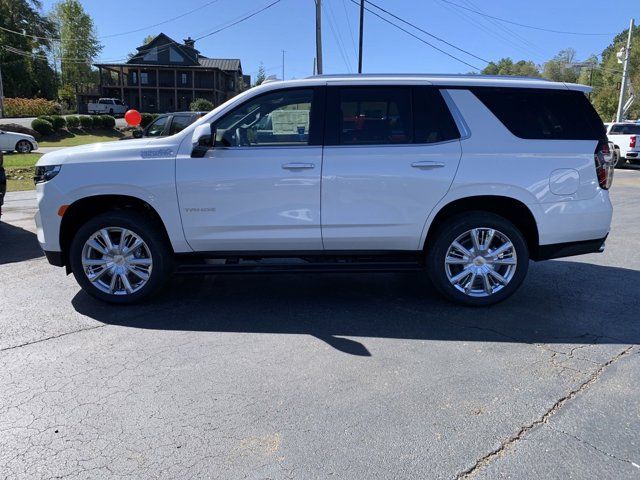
(465, 178)
(109, 106)
(625, 137)
(20, 142)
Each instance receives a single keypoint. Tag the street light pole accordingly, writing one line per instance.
(625, 74)
(282, 64)
(361, 33)
(319, 36)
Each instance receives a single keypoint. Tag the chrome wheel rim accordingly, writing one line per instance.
(117, 261)
(24, 147)
(481, 262)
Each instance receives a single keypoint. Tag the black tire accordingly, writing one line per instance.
(457, 225)
(145, 228)
(25, 145)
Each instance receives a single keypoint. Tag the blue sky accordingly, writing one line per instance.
(289, 25)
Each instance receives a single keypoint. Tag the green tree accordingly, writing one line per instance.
(608, 75)
(25, 69)
(506, 66)
(261, 76)
(560, 68)
(78, 45)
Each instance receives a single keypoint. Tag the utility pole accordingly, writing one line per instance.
(282, 64)
(625, 74)
(1, 94)
(360, 39)
(319, 36)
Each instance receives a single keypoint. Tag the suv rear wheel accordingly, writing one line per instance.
(477, 259)
(120, 257)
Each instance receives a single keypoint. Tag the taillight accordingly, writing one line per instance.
(632, 141)
(603, 157)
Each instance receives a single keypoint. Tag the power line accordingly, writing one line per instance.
(247, 17)
(336, 35)
(241, 19)
(564, 32)
(58, 39)
(426, 33)
(417, 37)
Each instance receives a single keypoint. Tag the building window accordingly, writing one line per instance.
(144, 78)
(151, 56)
(183, 78)
(134, 78)
(175, 57)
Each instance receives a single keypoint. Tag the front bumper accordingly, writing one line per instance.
(55, 258)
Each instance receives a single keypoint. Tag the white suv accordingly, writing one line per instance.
(464, 177)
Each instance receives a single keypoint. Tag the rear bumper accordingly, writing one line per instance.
(569, 249)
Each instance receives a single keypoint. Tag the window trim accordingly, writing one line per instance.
(316, 118)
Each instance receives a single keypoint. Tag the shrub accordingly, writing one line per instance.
(58, 122)
(86, 122)
(30, 107)
(48, 118)
(201, 105)
(147, 118)
(96, 121)
(43, 127)
(73, 121)
(108, 122)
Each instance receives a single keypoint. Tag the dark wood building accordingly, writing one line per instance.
(165, 76)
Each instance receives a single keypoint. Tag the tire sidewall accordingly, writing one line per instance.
(21, 142)
(456, 226)
(142, 226)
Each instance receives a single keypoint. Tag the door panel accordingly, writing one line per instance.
(243, 199)
(392, 153)
(259, 188)
(379, 197)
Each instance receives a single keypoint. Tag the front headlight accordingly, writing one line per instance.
(46, 173)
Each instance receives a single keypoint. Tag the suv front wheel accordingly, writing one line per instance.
(477, 259)
(120, 257)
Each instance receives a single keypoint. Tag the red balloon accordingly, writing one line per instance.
(133, 117)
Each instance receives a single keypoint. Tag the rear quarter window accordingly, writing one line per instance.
(543, 114)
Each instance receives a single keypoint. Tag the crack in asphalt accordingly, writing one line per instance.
(53, 337)
(506, 444)
(595, 448)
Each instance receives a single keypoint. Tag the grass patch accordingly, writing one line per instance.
(21, 159)
(19, 168)
(20, 178)
(77, 137)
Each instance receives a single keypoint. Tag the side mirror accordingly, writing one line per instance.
(137, 134)
(203, 139)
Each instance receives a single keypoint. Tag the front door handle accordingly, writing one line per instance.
(427, 164)
(297, 166)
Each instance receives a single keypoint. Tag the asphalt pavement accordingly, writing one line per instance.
(323, 376)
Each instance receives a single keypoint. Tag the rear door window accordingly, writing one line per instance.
(371, 116)
(544, 114)
(179, 123)
(433, 120)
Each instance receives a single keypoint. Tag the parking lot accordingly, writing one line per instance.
(315, 376)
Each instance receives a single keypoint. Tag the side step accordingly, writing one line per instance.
(297, 265)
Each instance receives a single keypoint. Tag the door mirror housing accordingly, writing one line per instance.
(203, 139)
(137, 134)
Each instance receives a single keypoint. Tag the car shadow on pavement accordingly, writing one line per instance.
(17, 244)
(560, 302)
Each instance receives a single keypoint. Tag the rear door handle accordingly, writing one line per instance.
(296, 166)
(427, 164)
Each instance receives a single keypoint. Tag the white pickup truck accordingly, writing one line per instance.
(625, 137)
(109, 106)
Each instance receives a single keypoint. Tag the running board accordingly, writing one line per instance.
(307, 267)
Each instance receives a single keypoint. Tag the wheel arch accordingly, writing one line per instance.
(82, 210)
(508, 207)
